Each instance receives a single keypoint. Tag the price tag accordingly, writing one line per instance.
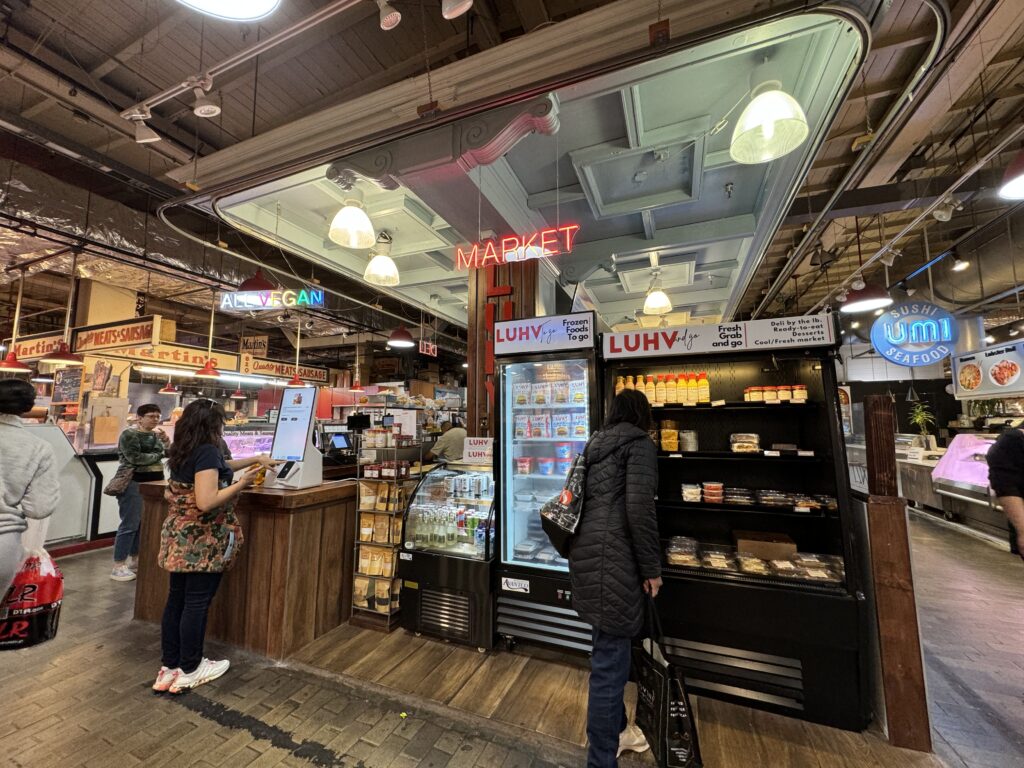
(771, 402)
(405, 555)
(675, 455)
(805, 453)
(688, 405)
(657, 405)
(772, 453)
(717, 403)
(802, 509)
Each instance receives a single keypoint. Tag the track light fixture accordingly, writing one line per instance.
(959, 265)
(452, 9)
(390, 17)
(143, 133)
(945, 211)
(857, 283)
(204, 106)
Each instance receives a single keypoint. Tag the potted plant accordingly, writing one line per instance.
(921, 416)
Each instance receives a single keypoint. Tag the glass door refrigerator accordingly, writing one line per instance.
(447, 555)
(547, 408)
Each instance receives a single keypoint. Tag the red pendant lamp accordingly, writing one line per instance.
(168, 388)
(401, 338)
(238, 394)
(62, 355)
(10, 363)
(257, 282)
(209, 371)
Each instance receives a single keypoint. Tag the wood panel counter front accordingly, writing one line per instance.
(290, 583)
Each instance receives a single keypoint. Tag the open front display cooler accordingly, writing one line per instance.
(447, 556)
(547, 410)
(762, 601)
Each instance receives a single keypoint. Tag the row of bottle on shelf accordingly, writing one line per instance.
(669, 387)
(452, 527)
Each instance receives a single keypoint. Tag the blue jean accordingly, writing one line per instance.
(606, 709)
(129, 506)
(183, 629)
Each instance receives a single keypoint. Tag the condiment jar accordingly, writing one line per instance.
(770, 394)
(757, 394)
(784, 392)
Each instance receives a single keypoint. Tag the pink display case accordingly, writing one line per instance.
(964, 466)
(246, 443)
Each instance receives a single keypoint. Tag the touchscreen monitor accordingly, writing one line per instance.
(292, 431)
(340, 442)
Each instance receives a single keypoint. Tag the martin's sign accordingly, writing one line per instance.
(512, 248)
(914, 333)
(36, 346)
(306, 298)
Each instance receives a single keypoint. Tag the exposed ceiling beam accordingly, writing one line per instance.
(897, 42)
(680, 300)
(163, 27)
(485, 25)
(570, 193)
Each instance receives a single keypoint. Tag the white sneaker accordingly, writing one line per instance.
(122, 572)
(206, 672)
(632, 740)
(133, 564)
(165, 678)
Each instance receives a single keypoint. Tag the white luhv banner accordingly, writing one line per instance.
(544, 334)
(776, 333)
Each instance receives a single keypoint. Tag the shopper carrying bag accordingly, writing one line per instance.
(614, 559)
(560, 517)
(199, 540)
(663, 710)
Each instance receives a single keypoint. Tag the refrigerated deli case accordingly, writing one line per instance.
(447, 556)
(547, 403)
(762, 603)
(961, 481)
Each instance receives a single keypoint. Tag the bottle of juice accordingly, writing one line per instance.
(703, 388)
(692, 388)
(620, 384)
(671, 392)
(629, 382)
(650, 388)
(659, 389)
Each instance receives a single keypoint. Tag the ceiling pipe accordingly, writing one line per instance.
(143, 110)
(1008, 138)
(889, 125)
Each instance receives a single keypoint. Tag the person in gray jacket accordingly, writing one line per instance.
(29, 487)
(614, 559)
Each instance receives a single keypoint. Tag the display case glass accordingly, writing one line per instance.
(452, 513)
(246, 441)
(548, 421)
(964, 465)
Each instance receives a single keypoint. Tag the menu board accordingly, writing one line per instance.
(776, 333)
(993, 372)
(67, 386)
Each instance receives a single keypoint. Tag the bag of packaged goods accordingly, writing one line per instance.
(396, 590)
(381, 529)
(396, 529)
(30, 611)
(541, 394)
(382, 595)
(521, 393)
(522, 426)
(367, 494)
(364, 560)
(578, 391)
(387, 563)
(561, 425)
(360, 589)
(560, 392)
(580, 426)
(376, 562)
(540, 426)
(366, 526)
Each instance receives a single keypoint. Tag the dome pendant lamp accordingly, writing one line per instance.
(452, 9)
(168, 388)
(382, 269)
(351, 226)
(63, 356)
(1013, 179)
(401, 338)
(867, 299)
(257, 282)
(772, 125)
(10, 363)
(657, 301)
(234, 10)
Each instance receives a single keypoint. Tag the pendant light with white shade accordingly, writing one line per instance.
(382, 269)
(351, 226)
(10, 363)
(452, 9)
(771, 125)
(1013, 179)
(657, 301)
(234, 10)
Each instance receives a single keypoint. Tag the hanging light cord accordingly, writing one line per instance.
(71, 297)
(209, 341)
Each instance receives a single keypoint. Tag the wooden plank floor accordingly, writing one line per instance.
(549, 696)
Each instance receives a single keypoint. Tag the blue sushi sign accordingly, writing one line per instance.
(914, 333)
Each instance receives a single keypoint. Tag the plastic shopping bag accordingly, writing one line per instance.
(30, 610)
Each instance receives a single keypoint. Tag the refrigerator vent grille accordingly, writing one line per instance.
(446, 614)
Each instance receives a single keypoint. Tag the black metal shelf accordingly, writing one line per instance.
(731, 456)
(677, 505)
(745, 579)
(741, 405)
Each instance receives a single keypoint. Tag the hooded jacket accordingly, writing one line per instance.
(29, 486)
(616, 546)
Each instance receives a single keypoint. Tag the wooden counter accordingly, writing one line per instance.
(290, 583)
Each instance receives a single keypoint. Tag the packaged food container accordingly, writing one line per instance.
(563, 450)
(524, 465)
(561, 425)
(744, 442)
(546, 465)
(562, 466)
(541, 394)
(770, 393)
(713, 487)
(784, 393)
(522, 426)
(521, 393)
(560, 391)
(800, 393)
(757, 394)
(580, 425)
(578, 391)
(669, 434)
(688, 440)
(540, 426)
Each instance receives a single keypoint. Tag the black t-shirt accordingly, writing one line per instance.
(204, 457)
(1006, 464)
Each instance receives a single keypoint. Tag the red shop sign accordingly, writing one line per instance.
(512, 248)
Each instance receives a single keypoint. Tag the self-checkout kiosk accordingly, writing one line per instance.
(303, 465)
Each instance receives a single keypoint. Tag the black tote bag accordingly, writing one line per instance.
(663, 710)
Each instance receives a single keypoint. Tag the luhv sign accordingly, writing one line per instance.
(544, 334)
(512, 248)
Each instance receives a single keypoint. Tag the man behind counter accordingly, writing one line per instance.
(1006, 476)
(449, 445)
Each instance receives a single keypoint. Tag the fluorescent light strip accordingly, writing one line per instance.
(235, 379)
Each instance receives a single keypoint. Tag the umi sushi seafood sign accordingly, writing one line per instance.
(915, 333)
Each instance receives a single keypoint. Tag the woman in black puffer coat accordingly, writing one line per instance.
(614, 559)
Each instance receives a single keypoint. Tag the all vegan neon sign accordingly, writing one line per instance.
(512, 248)
(257, 300)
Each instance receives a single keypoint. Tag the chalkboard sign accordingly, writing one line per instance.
(67, 386)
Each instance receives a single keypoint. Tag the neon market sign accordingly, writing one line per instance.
(312, 298)
(914, 334)
(512, 248)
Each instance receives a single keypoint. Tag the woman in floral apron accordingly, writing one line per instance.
(198, 541)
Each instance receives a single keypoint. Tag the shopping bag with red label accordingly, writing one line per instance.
(31, 608)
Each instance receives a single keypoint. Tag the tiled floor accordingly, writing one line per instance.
(83, 699)
(970, 599)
